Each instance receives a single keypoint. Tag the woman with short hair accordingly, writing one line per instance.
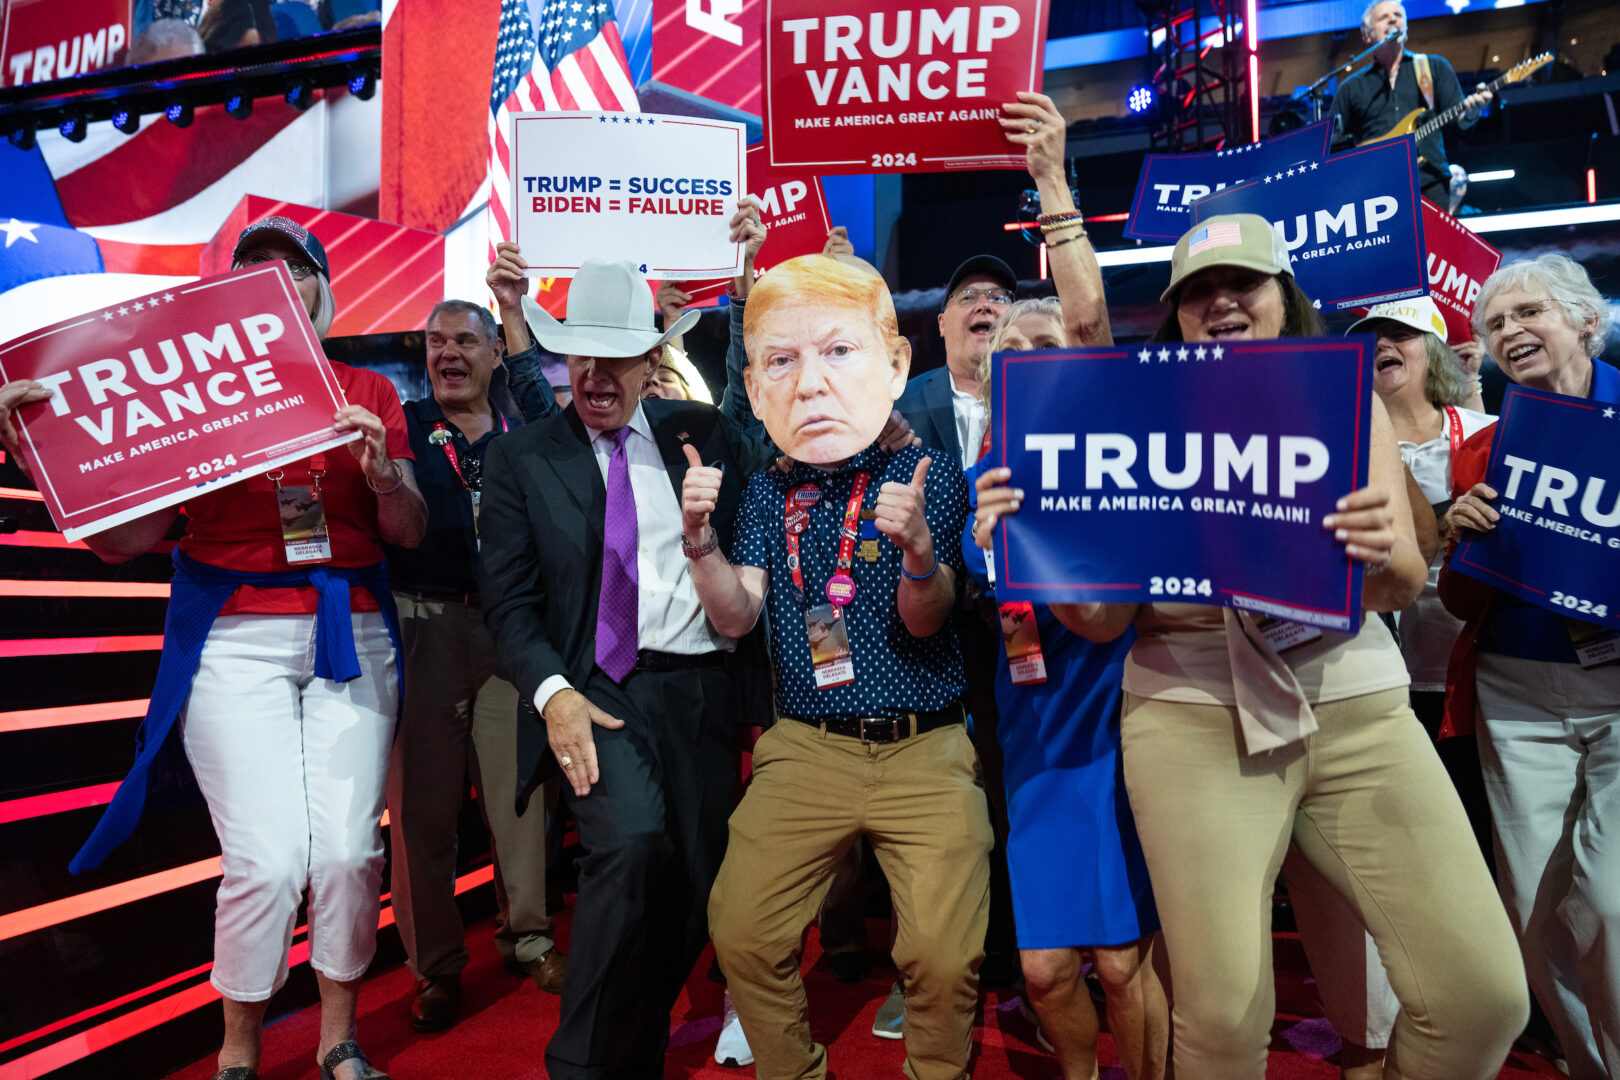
(1548, 720)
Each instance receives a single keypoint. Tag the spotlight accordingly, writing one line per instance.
(22, 136)
(1140, 99)
(363, 84)
(300, 94)
(239, 106)
(72, 127)
(180, 114)
(127, 122)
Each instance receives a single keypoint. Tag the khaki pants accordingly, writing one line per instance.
(460, 723)
(1370, 806)
(921, 802)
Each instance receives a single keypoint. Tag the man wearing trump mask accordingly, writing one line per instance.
(841, 549)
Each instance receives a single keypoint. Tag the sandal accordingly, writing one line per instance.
(236, 1072)
(346, 1051)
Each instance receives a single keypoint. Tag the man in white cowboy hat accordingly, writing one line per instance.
(589, 597)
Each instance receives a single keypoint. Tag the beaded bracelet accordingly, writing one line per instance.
(1081, 235)
(1055, 222)
(375, 490)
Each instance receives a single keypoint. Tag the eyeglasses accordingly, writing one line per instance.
(299, 270)
(1525, 315)
(970, 297)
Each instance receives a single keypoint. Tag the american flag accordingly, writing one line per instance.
(1220, 234)
(575, 62)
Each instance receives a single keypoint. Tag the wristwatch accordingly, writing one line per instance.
(708, 547)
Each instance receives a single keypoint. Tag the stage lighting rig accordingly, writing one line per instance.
(239, 106)
(1140, 99)
(72, 127)
(180, 113)
(22, 136)
(127, 121)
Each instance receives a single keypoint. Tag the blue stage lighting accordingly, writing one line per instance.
(127, 122)
(180, 114)
(72, 128)
(363, 85)
(1140, 99)
(239, 106)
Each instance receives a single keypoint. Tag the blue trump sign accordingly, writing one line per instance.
(1188, 472)
(1170, 183)
(1353, 223)
(1555, 465)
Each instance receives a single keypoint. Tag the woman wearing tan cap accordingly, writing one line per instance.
(1233, 751)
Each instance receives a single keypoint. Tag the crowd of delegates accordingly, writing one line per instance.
(594, 575)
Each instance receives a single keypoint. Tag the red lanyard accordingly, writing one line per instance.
(449, 445)
(984, 443)
(1454, 422)
(796, 519)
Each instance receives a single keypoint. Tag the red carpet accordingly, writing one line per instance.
(506, 1022)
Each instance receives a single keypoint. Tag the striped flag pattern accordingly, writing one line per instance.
(1220, 234)
(574, 61)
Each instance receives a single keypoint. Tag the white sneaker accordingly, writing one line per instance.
(731, 1049)
(889, 1023)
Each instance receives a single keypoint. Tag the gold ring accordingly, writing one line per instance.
(565, 761)
(1031, 126)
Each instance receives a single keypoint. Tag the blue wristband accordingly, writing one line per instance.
(920, 577)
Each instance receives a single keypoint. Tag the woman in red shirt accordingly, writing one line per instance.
(280, 678)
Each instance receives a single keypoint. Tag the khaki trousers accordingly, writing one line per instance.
(459, 723)
(921, 802)
(1370, 806)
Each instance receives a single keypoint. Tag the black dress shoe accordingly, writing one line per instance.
(437, 1004)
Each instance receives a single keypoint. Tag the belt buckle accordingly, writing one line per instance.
(868, 735)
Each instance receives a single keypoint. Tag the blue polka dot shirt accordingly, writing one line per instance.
(894, 672)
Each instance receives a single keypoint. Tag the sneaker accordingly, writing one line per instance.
(891, 1015)
(731, 1049)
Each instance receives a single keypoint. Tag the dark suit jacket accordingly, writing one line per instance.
(927, 407)
(542, 521)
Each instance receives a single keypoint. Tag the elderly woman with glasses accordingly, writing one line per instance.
(1548, 725)
(279, 682)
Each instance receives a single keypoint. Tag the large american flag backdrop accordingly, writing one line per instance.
(572, 60)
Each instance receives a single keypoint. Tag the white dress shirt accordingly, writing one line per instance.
(971, 420)
(669, 616)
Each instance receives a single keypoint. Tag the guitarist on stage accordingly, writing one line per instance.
(1379, 97)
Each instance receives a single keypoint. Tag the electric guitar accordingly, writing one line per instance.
(1410, 124)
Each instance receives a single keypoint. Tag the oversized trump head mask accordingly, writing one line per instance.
(825, 357)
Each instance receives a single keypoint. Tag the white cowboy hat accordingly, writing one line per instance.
(610, 314)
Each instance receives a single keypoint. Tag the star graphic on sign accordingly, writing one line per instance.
(107, 316)
(638, 119)
(1145, 355)
(1198, 353)
(1268, 179)
(123, 311)
(1279, 176)
(1215, 352)
(139, 306)
(1608, 414)
(601, 119)
(16, 230)
(650, 120)
(1164, 356)
(1181, 354)
(1313, 164)
(168, 298)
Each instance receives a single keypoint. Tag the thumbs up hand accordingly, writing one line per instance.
(900, 515)
(699, 493)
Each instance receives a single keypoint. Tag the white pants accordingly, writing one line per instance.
(1350, 978)
(293, 769)
(1549, 742)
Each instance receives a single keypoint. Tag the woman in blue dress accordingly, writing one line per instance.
(1078, 877)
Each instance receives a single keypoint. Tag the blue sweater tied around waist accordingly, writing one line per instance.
(197, 593)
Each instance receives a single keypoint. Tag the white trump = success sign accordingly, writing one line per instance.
(656, 190)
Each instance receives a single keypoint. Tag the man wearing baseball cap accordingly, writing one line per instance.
(589, 596)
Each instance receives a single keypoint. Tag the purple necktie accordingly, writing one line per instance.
(616, 623)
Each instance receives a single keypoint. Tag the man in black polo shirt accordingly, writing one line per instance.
(460, 716)
(1378, 97)
(855, 553)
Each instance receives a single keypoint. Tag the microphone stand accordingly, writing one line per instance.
(1313, 93)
